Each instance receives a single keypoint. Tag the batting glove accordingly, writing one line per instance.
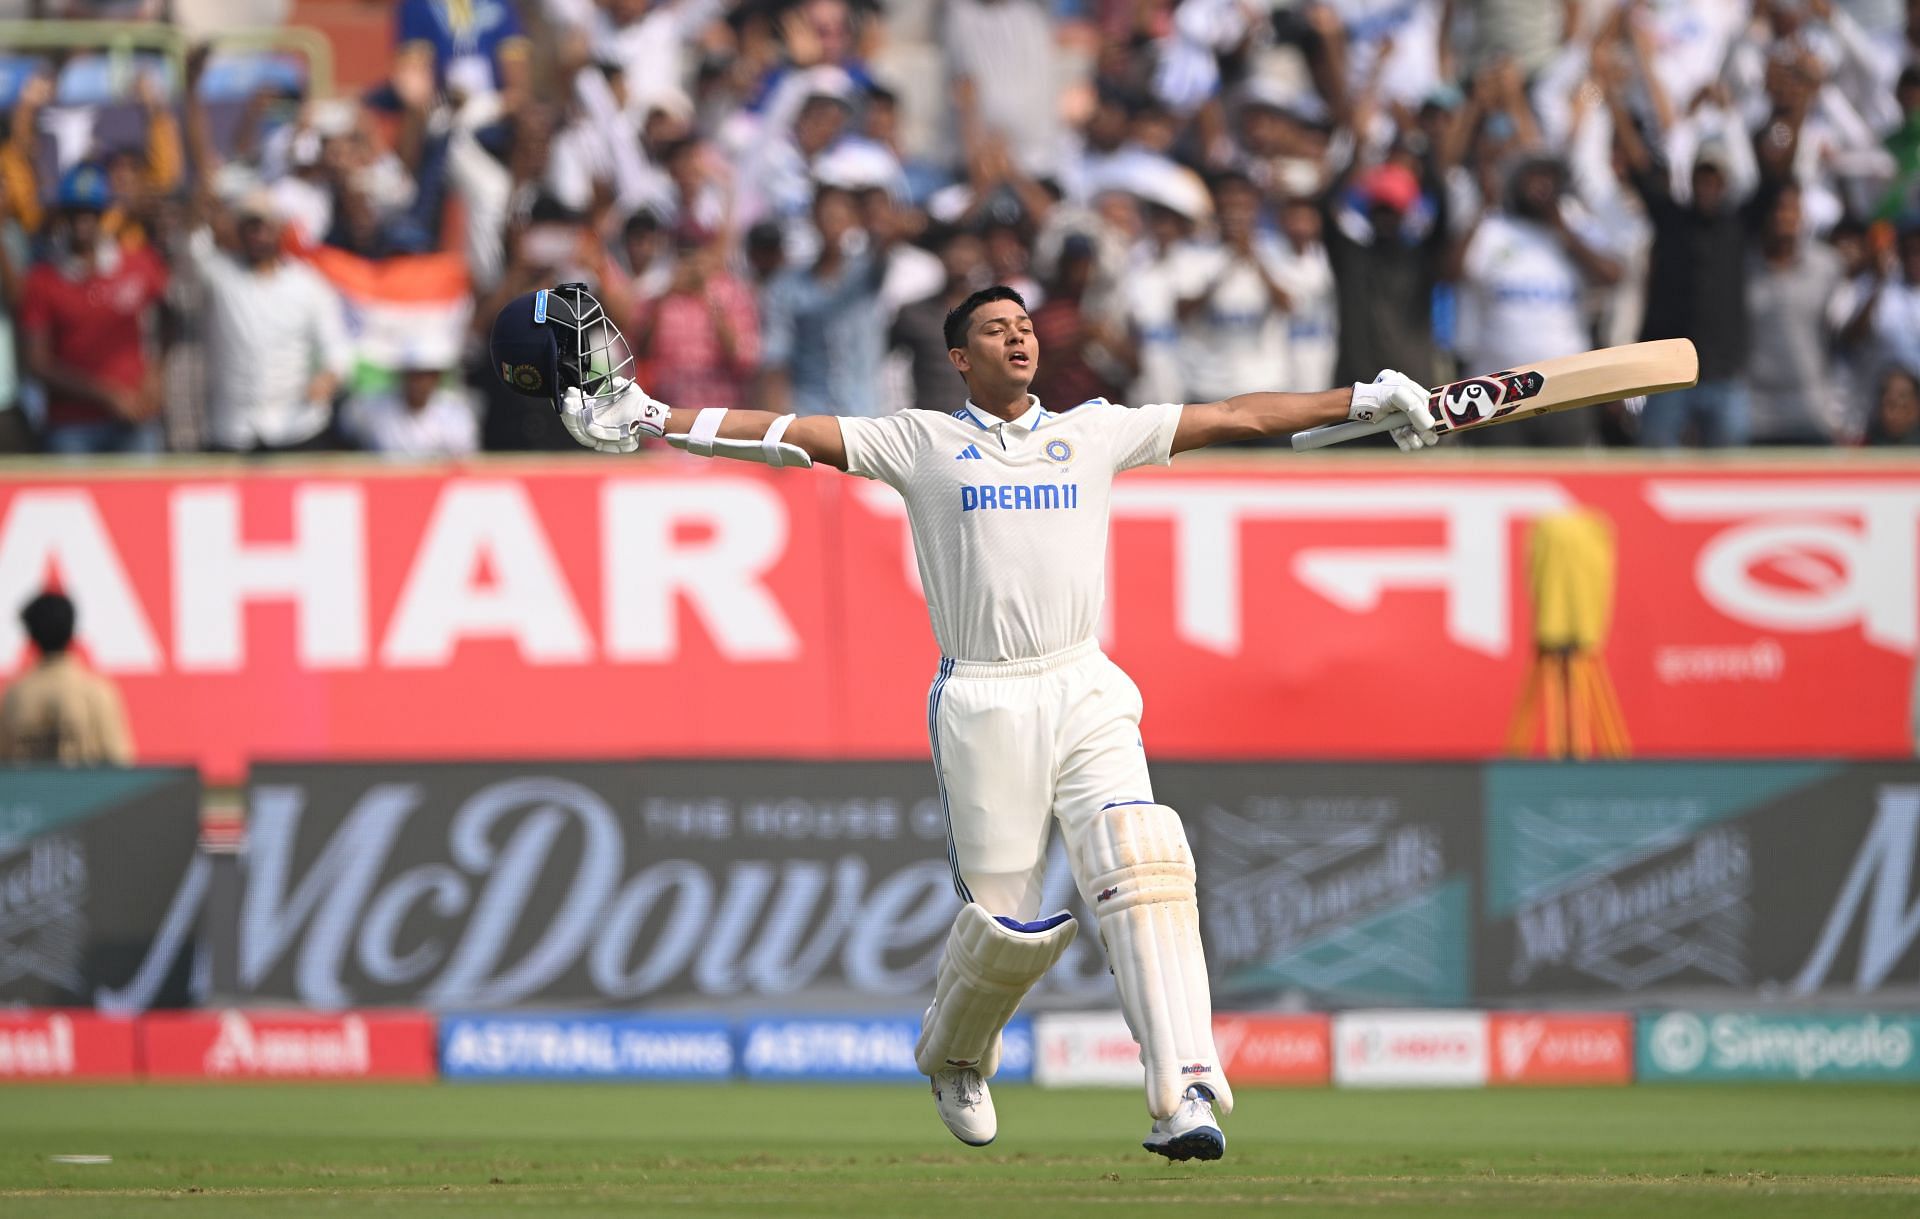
(613, 423)
(1394, 394)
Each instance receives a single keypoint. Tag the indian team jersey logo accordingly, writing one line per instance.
(1058, 450)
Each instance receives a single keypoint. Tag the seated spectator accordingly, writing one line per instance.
(16, 430)
(1082, 356)
(1896, 415)
(60, 711)
(422, 415)
(701, 338)
(87, 318)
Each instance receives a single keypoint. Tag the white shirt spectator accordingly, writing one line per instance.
(446, 426)
(1527, 295)
(1406, 32)
(1690, 42)
(1152, 297)
(1313, 321)
(268, 334)
(1236, 342)
(1005, 47)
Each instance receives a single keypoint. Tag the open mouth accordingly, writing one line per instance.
(1019, 359)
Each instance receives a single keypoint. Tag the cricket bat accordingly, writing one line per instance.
(1560, 384)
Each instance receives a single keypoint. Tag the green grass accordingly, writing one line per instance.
(847, 1153)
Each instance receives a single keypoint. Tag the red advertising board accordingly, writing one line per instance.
(1274, 1049)
(42, 1044)
(1269, 608)
(237, 1044)
(1561, 1048)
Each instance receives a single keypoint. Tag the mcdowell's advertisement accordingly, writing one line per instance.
(698, 885)
(100, 884)
(1650, 879)
(1333, 885)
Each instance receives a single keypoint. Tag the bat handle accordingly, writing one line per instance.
(1334, 433)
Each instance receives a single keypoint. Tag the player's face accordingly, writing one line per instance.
(1001, 351)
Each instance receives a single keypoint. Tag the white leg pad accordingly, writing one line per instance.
(1137, 873)
(988, 968)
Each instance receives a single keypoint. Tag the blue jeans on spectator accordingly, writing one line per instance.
(1718, 411)
(80, 439)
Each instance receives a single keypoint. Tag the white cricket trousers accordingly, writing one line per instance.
(1017, 744)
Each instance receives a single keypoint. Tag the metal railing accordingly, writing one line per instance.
(123, 40)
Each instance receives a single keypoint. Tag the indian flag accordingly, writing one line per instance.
(400, 309)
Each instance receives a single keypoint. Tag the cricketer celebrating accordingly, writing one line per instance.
(1030, 723)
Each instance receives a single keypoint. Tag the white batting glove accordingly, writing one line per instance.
(1396, 394)
(613, 424)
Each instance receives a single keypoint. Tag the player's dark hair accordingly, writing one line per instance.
(955, 328)
(49, 621)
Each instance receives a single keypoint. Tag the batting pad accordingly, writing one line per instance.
(1137, 872)
(989, 966)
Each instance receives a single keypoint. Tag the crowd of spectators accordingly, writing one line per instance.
(780, 199)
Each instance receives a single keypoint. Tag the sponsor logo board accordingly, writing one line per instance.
(234, 1044)
(1753, 585)
(1085, 1050)
(1259, 1049)
(1330, 885)
(1689, 1045)
(586, 1046)
(1561, 1047)
(1410, 1049)
(813, 1047)
(99, 884)
(45, 1045)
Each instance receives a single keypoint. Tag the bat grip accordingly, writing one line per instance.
(1334, 433)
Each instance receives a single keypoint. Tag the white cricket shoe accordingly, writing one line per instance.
(1192, 1133)
(965, 1105)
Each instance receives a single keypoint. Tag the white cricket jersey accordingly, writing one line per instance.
(1010, 519)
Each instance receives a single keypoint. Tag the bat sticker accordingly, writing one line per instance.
(1479, 399)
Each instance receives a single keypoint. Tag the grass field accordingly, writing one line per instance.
(848, 1153)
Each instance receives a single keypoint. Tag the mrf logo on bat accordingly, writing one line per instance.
(1479, 399)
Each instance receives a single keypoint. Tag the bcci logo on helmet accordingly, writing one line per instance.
(523, 377)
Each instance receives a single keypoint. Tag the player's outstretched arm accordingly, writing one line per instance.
(1257, 416)
(615, 424)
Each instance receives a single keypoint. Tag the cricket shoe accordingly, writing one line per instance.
(965, 1105)
(1192, 1133)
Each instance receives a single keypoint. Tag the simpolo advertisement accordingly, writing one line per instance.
(99, 886)
(1777, 1045)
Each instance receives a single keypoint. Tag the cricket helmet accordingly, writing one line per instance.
(555, 339)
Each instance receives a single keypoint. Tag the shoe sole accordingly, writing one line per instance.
(1205, 1143)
